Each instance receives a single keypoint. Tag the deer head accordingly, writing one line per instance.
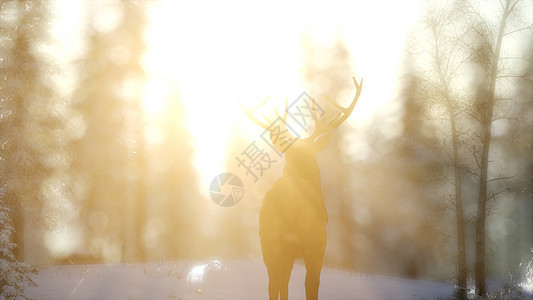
(301, 156)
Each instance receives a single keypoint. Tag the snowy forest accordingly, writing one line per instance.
(116, 116)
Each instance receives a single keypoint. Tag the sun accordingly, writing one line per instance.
(219, 54)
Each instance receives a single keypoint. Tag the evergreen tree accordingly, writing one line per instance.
(108, 153)
(14, 276)
(176, 207)
(413, 165)
(397, 188)
(29, 118)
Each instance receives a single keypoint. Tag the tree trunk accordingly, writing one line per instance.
(18, 225)
(481, 287)
(460, 224)
(16, 213)
(140, 205)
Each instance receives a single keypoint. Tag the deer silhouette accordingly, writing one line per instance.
(293, 218)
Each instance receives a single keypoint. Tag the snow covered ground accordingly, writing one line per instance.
(215, 279)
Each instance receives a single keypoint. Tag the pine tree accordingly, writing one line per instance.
(14, 276)
(412, 165)
(28, 116)
(108, 154)
(176, 207)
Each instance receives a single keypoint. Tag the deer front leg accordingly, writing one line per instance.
(313, 265)
(285, 276)
(273, 280)
(313, 257)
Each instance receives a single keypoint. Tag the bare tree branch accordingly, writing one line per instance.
(501, 178)
(530, 27)
(493, 196)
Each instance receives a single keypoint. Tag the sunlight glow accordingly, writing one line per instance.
(154, 97)
(197, 273)
(223, 55)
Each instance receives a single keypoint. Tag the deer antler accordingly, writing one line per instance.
(321, 125)
(250, 114)
(344, 112)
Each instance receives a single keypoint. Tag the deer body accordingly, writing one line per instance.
(292, 224)
(293, 218)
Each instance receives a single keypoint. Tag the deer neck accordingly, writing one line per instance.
(306, 170)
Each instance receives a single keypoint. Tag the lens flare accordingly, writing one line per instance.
(197, 273)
